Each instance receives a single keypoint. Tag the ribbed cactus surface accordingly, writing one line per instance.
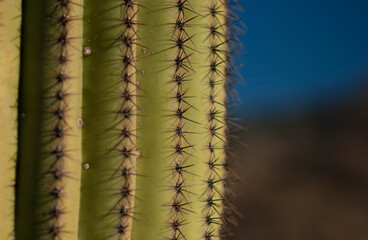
(114, 119)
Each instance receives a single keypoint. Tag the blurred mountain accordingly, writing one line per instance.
(305, 177)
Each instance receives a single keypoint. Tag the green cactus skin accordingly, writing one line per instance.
(123, 120)
(10, 18)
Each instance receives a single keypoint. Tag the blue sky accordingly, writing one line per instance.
(301, 54)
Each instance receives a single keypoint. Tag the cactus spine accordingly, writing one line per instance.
(122, 130)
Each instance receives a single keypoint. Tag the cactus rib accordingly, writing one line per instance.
(50, 138)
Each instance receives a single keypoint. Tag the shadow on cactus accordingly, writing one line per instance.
(114, 119)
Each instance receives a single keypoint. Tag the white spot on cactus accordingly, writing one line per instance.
(80, 123)
(86, 166)
(87, 51)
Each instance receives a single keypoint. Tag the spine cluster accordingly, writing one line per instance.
(127, 89)
(182, 69)
(56, 125)
(216, 79)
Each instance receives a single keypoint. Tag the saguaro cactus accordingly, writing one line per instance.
(114, 119)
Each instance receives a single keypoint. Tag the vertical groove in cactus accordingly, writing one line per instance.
(154, 120)
(109, 144)
(10, 18)
(49, 137)
(123, 121)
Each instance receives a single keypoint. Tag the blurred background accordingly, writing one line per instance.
(304, 103)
